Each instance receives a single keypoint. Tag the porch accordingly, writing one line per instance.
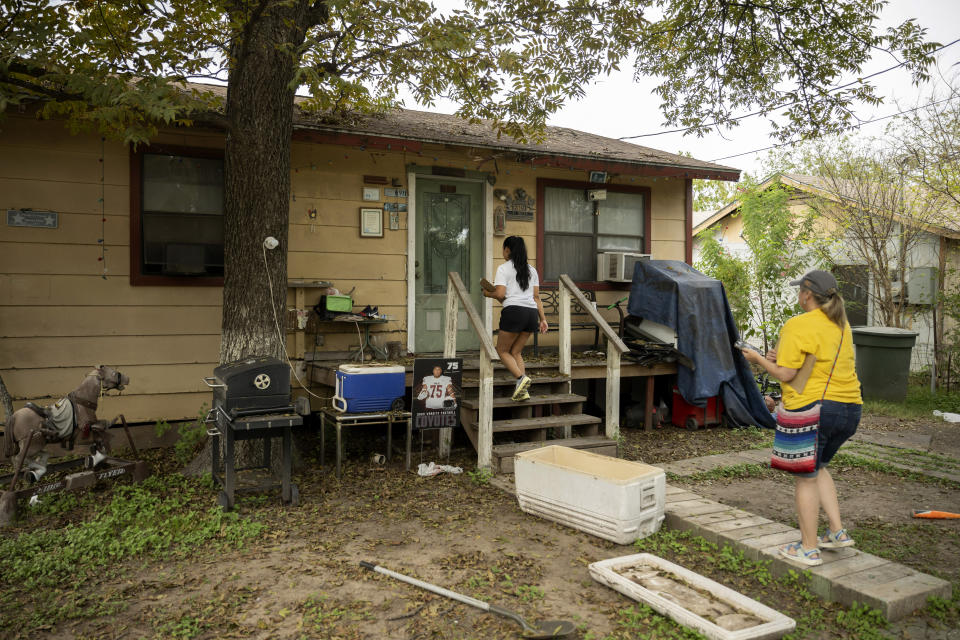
(557, 411)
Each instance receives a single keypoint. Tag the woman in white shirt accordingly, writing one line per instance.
(517, 287)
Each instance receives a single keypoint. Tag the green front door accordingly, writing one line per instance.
(449, 229)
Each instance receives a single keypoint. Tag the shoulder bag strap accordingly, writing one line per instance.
(842, 331)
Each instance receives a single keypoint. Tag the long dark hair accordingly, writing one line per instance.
(518, 255)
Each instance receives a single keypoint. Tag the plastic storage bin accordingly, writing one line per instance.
(363, 389)
(614, 499)
(771, 623)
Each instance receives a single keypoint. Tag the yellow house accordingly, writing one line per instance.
(113, 255)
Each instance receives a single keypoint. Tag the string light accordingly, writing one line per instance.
(102, 240)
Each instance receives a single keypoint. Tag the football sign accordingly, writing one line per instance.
(437, 390)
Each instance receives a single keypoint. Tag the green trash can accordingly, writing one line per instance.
(883, 361)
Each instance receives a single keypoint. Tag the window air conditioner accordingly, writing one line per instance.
(617, 266)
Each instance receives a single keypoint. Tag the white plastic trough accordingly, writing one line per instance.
(774, 624)
(617, 500)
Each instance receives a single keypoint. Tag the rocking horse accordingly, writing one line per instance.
(70, 421)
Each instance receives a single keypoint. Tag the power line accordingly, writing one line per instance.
(848, 128)
(782, 106)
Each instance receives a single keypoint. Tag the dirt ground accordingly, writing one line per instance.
(301, 577)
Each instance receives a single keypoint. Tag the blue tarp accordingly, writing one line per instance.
(675, 294)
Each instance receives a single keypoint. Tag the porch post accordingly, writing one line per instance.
(613, 391)
(449, 351)
(564, 330)
(485, 426)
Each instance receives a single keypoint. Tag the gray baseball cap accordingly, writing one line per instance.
(818, 281)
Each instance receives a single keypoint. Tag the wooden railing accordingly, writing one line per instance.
(615, 347)
(457, 295)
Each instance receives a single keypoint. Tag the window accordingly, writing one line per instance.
(177, 216)
(574, 230)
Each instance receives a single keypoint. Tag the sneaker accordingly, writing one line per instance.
(523, 396)
(522, 384)
(836, 539)
(795, 551)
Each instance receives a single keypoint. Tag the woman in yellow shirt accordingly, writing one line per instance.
(809, 345)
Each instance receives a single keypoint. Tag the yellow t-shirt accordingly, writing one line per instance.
(813, 332)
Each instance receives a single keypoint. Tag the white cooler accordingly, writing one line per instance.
(614, 499)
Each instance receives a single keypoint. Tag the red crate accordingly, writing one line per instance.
(688, 416)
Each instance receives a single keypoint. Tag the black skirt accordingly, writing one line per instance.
(519, 319)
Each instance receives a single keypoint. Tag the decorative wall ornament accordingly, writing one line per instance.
(519, 206)
(499, 221)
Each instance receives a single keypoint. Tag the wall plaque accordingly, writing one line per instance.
(519, 206)
(31, 218)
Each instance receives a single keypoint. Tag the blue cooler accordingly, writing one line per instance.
(363, 388)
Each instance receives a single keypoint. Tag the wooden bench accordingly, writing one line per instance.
(550, 298)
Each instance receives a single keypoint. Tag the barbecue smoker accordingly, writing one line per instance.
(251, 400)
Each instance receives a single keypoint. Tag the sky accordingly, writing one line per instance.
(616, 106)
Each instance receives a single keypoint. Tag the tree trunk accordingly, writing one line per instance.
(257, 191)
(257, 183)
(5, 402)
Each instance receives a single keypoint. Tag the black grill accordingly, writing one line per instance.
(252, 386)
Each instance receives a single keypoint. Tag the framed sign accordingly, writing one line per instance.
(371, 223)
(437, 389)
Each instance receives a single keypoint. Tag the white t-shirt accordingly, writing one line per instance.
(507, 277)
(436, 389)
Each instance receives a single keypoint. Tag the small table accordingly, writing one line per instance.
(365, 344)
(340, 420)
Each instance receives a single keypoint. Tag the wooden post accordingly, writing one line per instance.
(613, 391)
(563, 329)
(485, 417)
(449, 351)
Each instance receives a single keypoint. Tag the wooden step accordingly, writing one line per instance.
(546, 422)
(549, 398)
(503, 453)
(499, 381)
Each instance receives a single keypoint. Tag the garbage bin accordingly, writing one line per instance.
(883, 361)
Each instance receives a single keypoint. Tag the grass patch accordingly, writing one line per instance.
(734, 471)
(872, 464)
(919, 403)
(159, 518)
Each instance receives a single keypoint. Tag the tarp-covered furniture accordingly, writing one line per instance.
(675, 294)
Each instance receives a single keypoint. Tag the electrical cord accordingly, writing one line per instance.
(280, 336)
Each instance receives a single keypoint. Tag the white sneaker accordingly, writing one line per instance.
(522, 384)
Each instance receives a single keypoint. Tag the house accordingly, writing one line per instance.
(114, 255)
(936, 249)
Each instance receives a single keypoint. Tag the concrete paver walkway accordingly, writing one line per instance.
(846, 576)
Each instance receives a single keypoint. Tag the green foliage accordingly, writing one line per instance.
(121, 66)
(757, 286)
(192, 435)
(480, 476)
(154, 519)
(640, 621)
(919, 403)
(863, 622)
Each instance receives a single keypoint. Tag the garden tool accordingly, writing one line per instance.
(546, 629)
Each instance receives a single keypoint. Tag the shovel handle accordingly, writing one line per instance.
(440, 591)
